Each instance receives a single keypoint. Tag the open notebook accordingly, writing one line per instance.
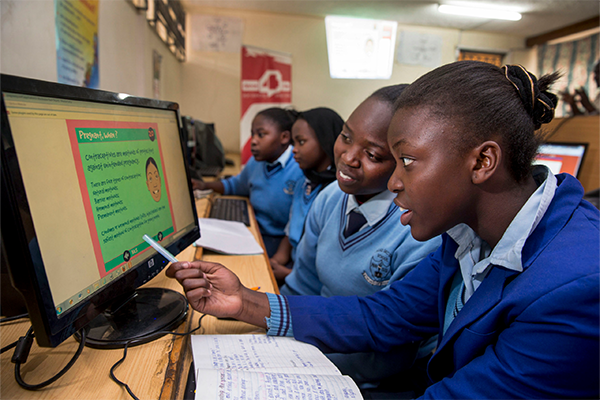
(265, 367)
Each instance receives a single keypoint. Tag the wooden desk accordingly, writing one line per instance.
(156, 370)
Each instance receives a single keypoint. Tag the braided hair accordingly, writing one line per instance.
(485, 102)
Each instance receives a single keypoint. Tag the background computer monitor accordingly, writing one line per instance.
(85, 174)
(562, 157)
(206, 157)
(189, 133)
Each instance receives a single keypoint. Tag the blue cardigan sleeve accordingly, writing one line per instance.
(304, 279)
(239, 185)
(405, 313)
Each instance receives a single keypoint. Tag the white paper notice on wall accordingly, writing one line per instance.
(419, 49)
(360, 48)
(214, 33)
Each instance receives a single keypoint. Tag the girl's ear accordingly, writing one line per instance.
(487, 160)
(285, 138)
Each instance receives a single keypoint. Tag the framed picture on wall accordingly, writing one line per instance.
(488, 57)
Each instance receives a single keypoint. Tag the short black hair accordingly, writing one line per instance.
(283, 118)
(389, 94)
(484, 105)
(149, 161)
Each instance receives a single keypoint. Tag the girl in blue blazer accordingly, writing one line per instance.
(513, 292)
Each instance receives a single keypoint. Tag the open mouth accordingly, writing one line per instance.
(406, 215)
(345, 178)
(155, 191)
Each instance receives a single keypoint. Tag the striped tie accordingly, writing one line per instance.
(355, 221)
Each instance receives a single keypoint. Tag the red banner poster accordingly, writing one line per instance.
(266, 82)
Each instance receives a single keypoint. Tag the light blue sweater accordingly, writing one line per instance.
(328, 264)
(304, 196)
(270, 192)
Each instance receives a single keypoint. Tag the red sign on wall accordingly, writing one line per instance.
(266, 82)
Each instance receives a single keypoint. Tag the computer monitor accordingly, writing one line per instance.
(562, 157)
(189, 133)
(207, 157)
(85, 174)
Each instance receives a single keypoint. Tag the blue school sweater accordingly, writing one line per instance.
(304, 196)
(270, 192)
(328, 264)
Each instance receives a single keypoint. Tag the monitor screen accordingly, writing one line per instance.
(562, 157)
(86, 174)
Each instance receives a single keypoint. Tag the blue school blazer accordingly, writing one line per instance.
(533, 334)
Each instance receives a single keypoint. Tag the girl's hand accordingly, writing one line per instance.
(280, 271)
(198, 184)
(213, 289)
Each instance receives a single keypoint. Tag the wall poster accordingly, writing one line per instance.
(360, 48)
(77, 42)
(216, 33)
(266, 82)
(483, 56)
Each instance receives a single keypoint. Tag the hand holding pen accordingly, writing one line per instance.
(213, 289)
(159, 248)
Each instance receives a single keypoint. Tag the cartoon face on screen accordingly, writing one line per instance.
(151, 134)
(153, 179)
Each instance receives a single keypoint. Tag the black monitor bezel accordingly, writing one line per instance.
(29, 278)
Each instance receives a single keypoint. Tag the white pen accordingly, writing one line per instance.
(159, 248)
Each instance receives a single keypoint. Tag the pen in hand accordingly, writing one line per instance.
(160, 249)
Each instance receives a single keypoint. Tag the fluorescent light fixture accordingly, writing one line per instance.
(493, 13)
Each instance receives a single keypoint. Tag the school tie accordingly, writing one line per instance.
(310, 186)
(271, 167)
(355, 221)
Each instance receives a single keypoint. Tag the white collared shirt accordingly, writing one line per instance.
(374, 209)
(476, 257)
(284, 157)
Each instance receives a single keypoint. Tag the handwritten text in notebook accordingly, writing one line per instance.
(265, 367)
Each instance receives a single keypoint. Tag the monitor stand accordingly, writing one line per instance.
(136, 317)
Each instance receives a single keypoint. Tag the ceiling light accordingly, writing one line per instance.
(480, 12)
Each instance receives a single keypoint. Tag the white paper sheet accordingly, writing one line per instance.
(253, 385)
(265, 367)
(259, 352)
(229, 237)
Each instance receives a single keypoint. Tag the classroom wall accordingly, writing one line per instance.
(212, 88)
(27, 48)
(207, 85)
(126, 44)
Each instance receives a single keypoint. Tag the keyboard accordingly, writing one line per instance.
(230, 210)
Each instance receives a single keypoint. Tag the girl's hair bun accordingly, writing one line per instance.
(538, 102)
